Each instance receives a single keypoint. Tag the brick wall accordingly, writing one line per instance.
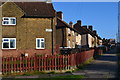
(27, 30)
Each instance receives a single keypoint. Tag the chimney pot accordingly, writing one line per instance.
(85, 26)
(71, 24)
(95, 31)
(48, 1)
(90, 27)
(60, 14)
(79, 22)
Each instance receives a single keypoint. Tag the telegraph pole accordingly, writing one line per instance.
(118, 36)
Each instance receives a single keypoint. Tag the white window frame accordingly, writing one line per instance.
(40, 43)
(9, 20)
(68, 31)
(73, 33)
(69, 44)
(73, 44)
(8, 42)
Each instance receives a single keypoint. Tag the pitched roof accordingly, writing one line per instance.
(37, 9)
(63, 24)
(80, 29)
(83, 30)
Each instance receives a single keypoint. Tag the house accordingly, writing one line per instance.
(66, 35)
(28, 28)
(86, 37)
(97, 39)
(89, 38)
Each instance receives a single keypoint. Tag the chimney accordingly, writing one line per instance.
(85, 27)
(60, 15)
(90, 27)
(79, 22)
(95, 31)
(71, 24)
(48, 1)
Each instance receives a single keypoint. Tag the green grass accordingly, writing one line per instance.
(82, 66)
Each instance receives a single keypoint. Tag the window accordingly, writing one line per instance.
(9, 21)
(73, 45)
(68, 43)
(68, 31)
(73, 33)
(9, 43)
(40, 43)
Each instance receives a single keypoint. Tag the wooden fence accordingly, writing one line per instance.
(44, 63)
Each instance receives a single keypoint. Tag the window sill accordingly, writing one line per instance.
(39, 49)
(9, 25)
(8, 49)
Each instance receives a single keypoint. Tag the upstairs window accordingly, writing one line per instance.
(68, 31)
(73, 33)
(40, 43)
(9, 21)
(9, 43)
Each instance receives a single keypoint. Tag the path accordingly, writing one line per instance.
(103, 67)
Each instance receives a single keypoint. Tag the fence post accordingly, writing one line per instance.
(35, 63)
(55, 62)
(2, 65)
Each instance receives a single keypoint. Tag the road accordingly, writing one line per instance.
(103, 67)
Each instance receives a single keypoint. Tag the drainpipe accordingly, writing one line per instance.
(52, 25)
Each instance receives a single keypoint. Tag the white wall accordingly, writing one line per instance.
(90, 41)
(78, 40)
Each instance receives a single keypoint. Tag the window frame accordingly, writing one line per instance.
(68, 31)
(40, 43)
(69, 44)
(9, 20)
(73, 33)
(8, 42)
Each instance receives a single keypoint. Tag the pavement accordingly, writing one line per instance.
(102, 68)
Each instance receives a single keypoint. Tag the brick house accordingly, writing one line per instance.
(89, 38)
(97, 40)
(28, 28)
(67, 36)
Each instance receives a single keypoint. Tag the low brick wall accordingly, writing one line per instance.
(80, 58)
(30, 52)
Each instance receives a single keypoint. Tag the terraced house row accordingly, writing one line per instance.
(30, 28)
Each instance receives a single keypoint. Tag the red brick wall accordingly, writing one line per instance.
(31, 52)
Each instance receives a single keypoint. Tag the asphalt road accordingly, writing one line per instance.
(103, 67)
